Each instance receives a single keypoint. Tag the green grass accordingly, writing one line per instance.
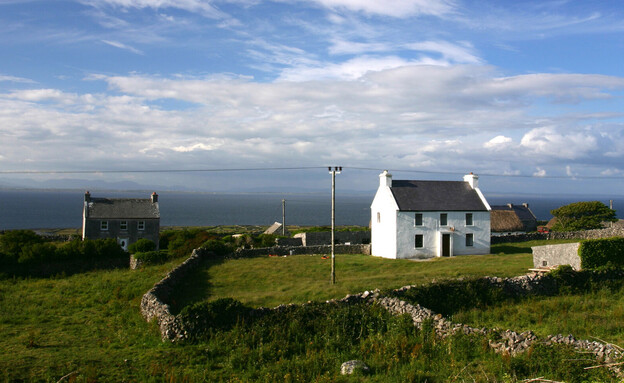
(270, 281)
(90, 324)
(597, 314)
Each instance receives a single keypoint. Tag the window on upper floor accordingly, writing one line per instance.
(378, 217)
(469, 240)
(141, 225)
(418, 241)
(418, 221)
(443, 219)
(103, 225)
(123, 225)
(468, 219)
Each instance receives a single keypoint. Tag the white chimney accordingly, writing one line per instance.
(385, 179)
(472, 179)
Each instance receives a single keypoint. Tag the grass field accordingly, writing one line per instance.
(89, 326)
(270, 281)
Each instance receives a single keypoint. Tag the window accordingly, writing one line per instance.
(469, 240)
(418, 240)
(103, 225)
(141, 225)
(468, 219)
(418, 219)
(123, 225)
(443, 219)
(378, 217)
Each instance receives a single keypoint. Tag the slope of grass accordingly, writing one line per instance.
(270, 281)
(596, 314)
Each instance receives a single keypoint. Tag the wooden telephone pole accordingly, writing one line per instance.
(336, 170)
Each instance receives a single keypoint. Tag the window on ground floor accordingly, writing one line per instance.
(418, 241)
(469, 239)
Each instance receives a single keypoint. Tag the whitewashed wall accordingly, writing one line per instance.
(431, 229)
(384, 232)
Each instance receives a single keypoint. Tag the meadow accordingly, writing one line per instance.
(87, 327)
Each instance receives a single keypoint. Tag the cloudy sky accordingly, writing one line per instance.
(528, 94)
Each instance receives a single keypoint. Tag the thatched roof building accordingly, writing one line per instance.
(512, 218)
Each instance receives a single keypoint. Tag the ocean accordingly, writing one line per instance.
(52, 209)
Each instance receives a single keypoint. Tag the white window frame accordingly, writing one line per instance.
(469, 222)
(469, 239)
(104, 225)
(141, 225)
(123, 225)
(445, 221)
(417, 221)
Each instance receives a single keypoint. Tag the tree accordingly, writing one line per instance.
(582, 216)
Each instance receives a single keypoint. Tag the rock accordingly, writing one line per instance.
(348, 368)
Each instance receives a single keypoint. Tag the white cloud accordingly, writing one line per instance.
(119, 45)
(498, 143)
(539, 173)
(15, 79)
(550, 142)
(400, 9)
(201, 6)
(462, 53)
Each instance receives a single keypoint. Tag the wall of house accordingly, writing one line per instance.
(152, 228)
(384, 233)
(431, 230)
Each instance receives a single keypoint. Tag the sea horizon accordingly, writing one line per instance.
(25, 208)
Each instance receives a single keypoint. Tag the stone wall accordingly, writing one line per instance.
(289, 241)
(609, 232)
(554, 255)
(155, 303)
(301, 250)
(324, 237)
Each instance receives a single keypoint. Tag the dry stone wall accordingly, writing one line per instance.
(616, 231)
(301, 250)
(154, 306)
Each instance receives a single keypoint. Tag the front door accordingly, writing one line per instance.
(446, 245)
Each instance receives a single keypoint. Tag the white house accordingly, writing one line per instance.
(425, 219)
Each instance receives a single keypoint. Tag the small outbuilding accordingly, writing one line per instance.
(512, 219)
(125, 219)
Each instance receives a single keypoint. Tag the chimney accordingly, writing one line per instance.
(385, 179)
(472, 179)
(87, 196)
(154, 197)
(526, 205)
(510, 205)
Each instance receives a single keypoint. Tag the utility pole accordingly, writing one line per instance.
(283, 217)
(336, 170)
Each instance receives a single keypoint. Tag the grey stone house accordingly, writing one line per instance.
(125, 219)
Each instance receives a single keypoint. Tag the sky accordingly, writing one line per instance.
(527, 94)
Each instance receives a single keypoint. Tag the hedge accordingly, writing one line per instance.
(595, 253)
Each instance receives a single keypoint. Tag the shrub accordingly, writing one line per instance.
(266, 240)
(151, 257)
(141, 246)
(218, 247)
(12, 242)
(595, 253)
(204, 317)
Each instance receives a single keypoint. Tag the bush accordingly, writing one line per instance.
(217, 247)
(595, 253)
(204, 317)
(151, 257)
(141, 246)
(13, 242)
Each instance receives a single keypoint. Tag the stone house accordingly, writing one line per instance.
(425, 219)
(125, 219)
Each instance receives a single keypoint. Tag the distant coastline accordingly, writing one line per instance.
(62, 208)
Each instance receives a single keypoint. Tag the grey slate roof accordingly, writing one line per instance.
(119, 208)
(436, 196)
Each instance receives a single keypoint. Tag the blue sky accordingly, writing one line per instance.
(527, 93)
